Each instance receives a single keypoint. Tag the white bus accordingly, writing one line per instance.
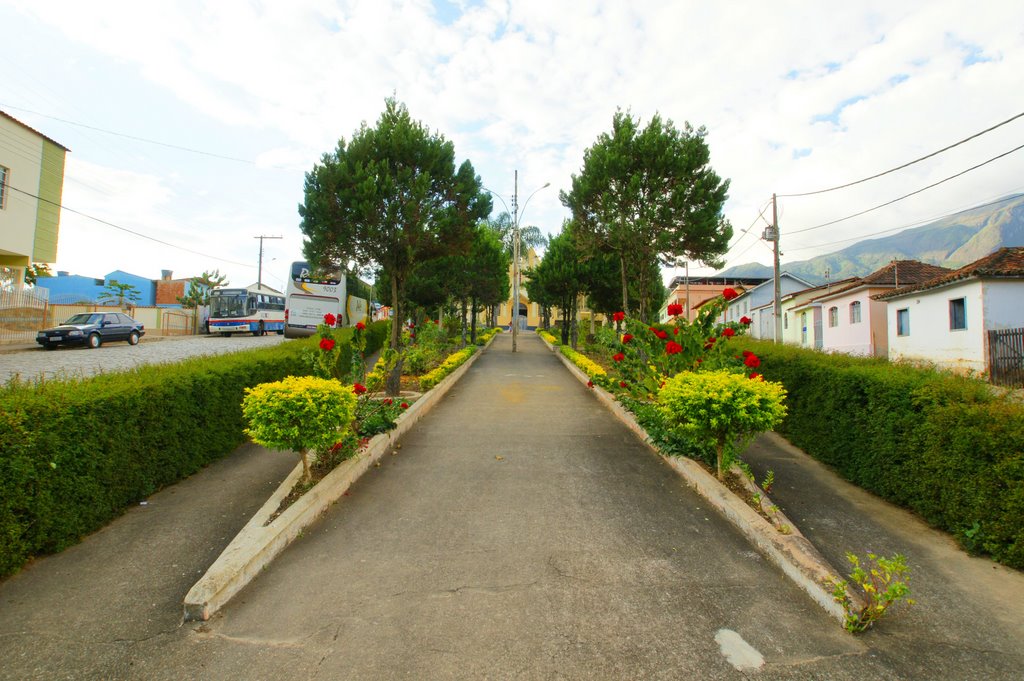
(311, 295)
(252, 310)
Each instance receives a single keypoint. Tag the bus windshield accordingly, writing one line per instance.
(228, 306)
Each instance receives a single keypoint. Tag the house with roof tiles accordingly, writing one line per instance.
(801, 315)
(855, 323)
(757, 303)
(946, 319)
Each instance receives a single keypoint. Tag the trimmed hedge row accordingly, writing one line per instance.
(74, 454)
(943, 446)
(450, 364)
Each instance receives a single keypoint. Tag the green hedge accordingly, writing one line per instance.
(75, 454)
(946, 447)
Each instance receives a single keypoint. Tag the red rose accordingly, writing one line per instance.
(747, 353)
(330, 320)
(755, 376)
(590, 384)
(672, 348)
(711, 341)
(411, 325)
(627, 337)
(752, 361)
(404, 405)
(728, 332)
(730, 293)
(746, 321)
(675, 309)
(326, 344)
(660, 334)
(387, 401)
(358, 388)
(676, 331)
(360, 326)
(622, 384)
(618, 357)
(619, 316)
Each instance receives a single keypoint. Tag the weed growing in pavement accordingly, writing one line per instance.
(883, 581)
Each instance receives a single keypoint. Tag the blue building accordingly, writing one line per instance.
(68, 288)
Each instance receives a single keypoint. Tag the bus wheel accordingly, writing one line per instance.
(225, 334)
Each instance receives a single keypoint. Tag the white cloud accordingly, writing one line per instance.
(528, 85)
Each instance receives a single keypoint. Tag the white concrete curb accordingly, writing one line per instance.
(256, 545)
(792, 553)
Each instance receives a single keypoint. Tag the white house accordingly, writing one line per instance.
(799, 314)
(754, 302)
(853, 322)
(946, 320)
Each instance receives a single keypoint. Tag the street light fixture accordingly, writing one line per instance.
(515, 249)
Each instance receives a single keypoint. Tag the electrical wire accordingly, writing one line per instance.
(125, 229)
(906, 165)
(900, 198)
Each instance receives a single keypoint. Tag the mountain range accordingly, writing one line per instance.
(952, 241)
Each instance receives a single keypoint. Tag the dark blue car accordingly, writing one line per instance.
(92, 329)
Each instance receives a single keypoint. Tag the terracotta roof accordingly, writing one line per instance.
(31, 129)
(905, 272)
(1005, 262)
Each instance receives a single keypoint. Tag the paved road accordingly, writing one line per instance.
(520, 532)
(31, 363)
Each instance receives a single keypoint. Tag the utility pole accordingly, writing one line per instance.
(515, 261)
(772, 234)
(259, 275)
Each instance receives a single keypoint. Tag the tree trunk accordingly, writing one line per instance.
(393, 386)
(720, 450)
(472, 328)
(464, 320)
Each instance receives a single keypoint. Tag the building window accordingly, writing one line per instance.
(855, 312)
(5, 175)
(903, 322)
(958, 314)
(785, 320)
(833, 316)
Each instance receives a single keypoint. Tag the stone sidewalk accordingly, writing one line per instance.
(519, 532)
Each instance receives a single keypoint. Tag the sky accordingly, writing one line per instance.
(192, 123)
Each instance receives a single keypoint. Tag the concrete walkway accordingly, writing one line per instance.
(519, 532)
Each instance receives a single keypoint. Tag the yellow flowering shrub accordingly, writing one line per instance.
(548, 337)
(450, 363)
(586, 365)
(721, 408)
(299, 414)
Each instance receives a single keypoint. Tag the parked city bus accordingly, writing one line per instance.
(254, 310)
(311, 295)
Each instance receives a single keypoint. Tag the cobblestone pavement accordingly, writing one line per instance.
(33, 363)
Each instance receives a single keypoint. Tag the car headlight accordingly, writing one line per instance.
(76, 332)
(40, 335)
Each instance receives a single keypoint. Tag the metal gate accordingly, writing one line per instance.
(1006, 357)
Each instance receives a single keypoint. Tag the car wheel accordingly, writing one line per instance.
(94, 340)
(133, 338)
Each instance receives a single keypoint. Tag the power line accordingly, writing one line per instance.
(918, 223)
(138, 139)
(905, 165)
(900, 198)
(125, 229)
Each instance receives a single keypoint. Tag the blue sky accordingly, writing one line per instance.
(795, 97)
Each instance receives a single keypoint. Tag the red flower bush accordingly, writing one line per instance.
(675, 309)
(619, 316)
(327, 344)
(404, 405)
(358, 388)
(752, 361)
(627, 337)
(673, 348)
(746, 321)
(730, 293)
(360, 326)
(728, 332)
(330, 320)
(618, 357)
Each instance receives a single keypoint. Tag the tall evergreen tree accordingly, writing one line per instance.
(649, 195)
(391, 198)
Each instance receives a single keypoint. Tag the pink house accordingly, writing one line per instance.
(854, 323)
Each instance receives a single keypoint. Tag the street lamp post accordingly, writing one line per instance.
(515, 249)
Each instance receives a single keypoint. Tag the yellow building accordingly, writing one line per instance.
(31, 185)
(529, 312)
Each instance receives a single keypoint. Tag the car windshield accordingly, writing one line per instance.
(227, 306)
(84, 318)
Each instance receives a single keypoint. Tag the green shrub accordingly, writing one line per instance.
(944, 446)
(299, 414)
(450, 364)
(74, 454)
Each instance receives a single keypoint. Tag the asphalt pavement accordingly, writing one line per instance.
(519, 532)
